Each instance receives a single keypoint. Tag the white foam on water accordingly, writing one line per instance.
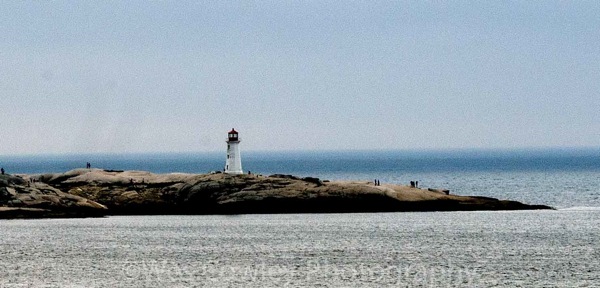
(581, 208)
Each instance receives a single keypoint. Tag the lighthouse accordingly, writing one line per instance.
(233, 165)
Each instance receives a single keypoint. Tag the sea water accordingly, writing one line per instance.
(445, 249)
(437, 249)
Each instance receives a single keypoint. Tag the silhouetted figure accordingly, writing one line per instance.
(378, 183)
(2, 171)
(417, 184)
(88, 165)
(412, 184)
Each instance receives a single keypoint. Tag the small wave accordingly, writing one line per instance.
(581, 208)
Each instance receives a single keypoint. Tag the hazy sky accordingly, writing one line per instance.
(175, 76)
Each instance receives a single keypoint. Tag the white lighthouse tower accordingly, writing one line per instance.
(233, 165)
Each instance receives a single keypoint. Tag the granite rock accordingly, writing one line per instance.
(139, 192)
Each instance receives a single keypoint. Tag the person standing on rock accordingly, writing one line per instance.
(2, 170)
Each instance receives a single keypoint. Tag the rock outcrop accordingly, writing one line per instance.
(138, 192)
(20, 197)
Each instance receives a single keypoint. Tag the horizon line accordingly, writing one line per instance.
(263, 151)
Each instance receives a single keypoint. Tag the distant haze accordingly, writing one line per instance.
(175, 76)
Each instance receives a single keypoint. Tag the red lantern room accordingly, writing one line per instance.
(233, 135)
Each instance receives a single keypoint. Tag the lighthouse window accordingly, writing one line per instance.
(227, 146)
(227, 156)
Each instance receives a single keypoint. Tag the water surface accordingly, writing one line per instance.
(455, 249)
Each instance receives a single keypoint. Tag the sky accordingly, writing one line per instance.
(176, 76)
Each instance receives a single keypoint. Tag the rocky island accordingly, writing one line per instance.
(97, 192)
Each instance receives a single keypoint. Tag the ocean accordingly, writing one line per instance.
(556, 248)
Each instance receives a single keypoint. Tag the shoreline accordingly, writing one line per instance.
(98, 193)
